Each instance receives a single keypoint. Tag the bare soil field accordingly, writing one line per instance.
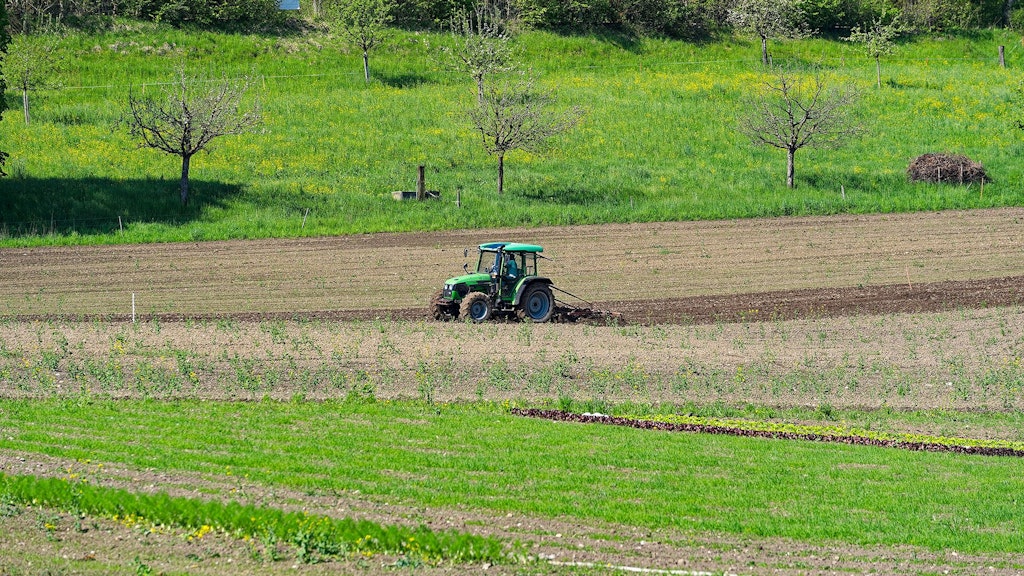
(661, 273)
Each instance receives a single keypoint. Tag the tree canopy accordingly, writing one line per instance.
(689, 19)
(515, 115)
(792, 113)
(188, 115)
(878, 40)
(362, 23)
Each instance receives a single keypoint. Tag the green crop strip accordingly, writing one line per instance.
(785, 430)
(477, 456)
(839, 432)
(312, 536)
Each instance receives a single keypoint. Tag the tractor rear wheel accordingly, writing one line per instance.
(443, 309)
(537, 304)
(477, 307)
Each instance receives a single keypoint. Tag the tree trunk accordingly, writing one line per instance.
(501, 173)
(366, 66)
(764, 50)
(24, 103)
(1007, 10)
(185, 159)
(479, 88)
(878, 70)
(790, 171)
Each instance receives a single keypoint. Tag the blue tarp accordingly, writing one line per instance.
(289, 5)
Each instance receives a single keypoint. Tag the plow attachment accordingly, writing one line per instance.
(569, 312)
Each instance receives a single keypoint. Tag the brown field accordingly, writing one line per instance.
(663, 272)
(913, 311)
(963, 360)
(907, 312)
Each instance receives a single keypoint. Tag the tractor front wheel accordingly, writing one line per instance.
(537, 304)
(477, 307)
(443, 309)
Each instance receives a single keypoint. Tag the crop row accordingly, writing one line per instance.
(964, 362)
(313, 537)
(387, 368)
(789, 431)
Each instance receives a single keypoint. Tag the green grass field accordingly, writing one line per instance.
(480, 457)
(659, 140)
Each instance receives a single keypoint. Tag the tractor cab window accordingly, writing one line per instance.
(528, 267)
(488, 260)
(525, 264)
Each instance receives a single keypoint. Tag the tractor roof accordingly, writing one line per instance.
(511, 247)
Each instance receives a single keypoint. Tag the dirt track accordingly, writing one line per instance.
(661, 272)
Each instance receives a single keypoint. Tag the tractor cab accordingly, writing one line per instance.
(507, 265)
(505, 282)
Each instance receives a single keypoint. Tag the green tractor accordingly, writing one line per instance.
(504, 284)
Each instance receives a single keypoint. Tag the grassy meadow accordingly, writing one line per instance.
(659, 140)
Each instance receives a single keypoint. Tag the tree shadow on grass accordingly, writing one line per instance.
(623, 39)
(33, 206)
(839, 179)
(561, 194)
(410, 80)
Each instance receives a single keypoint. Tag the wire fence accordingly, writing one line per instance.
(55, 226)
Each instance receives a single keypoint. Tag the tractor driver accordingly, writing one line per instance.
(511, 268)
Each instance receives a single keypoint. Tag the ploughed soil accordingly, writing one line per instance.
(677, 272)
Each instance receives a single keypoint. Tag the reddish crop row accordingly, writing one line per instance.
(854, 439)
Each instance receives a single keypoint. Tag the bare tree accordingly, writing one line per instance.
(791, 114)
(31, 64)
(769, 20)
(513, 115)
(188, 115)
(878, 40)
(482, 41)
(362, 23)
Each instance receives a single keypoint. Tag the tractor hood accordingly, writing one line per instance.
(474, 278)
